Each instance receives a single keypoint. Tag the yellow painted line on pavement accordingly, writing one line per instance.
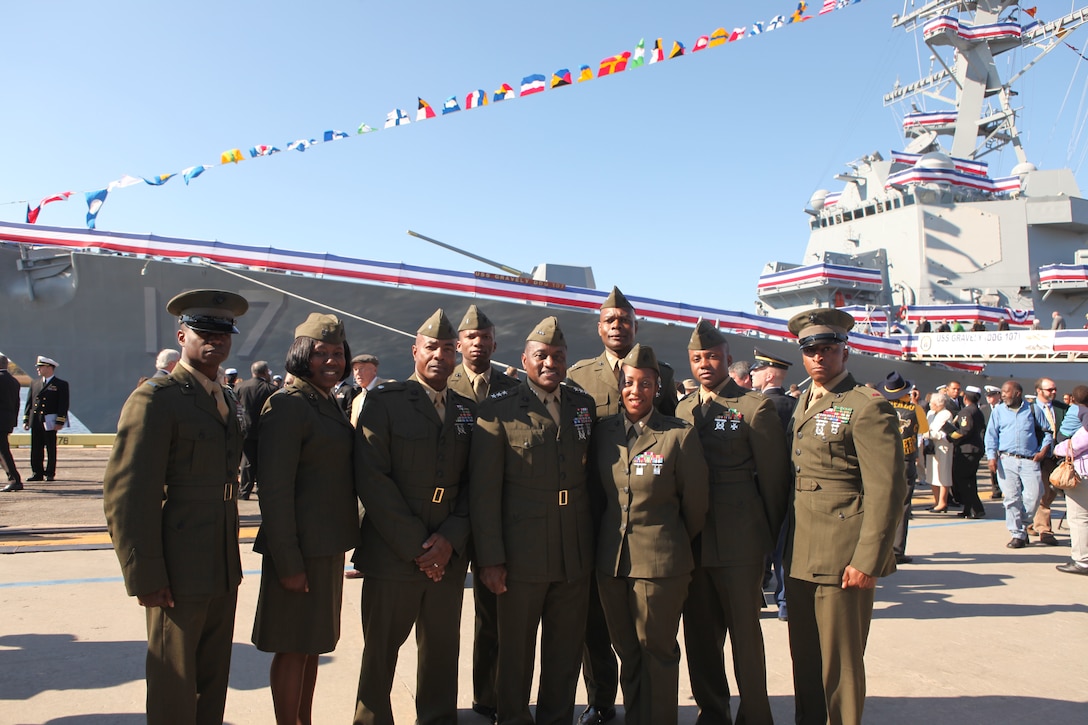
(98, 538)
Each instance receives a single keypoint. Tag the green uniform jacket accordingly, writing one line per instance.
(595, 376)
(414, 478)
(849, 485)
(307, 461)
(500, 381)
(746, 452)
(656, 497)
(530, 502)
(170, 490)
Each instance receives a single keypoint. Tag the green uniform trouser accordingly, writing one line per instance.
(829, 626)
(485, 644)
(726, 600)
(643, 618)
(188, 659)
(390, 608)
(558, 609)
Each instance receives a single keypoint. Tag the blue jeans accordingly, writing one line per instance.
(1021, 485)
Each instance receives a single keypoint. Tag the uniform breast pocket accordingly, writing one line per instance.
(525, 444)
(197, 448)
(408, 443)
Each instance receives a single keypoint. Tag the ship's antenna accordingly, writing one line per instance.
(478, 258)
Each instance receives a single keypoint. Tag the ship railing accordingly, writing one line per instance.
(1063, 277)
(997, 345)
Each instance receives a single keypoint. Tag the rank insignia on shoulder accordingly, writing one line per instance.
(501, 393)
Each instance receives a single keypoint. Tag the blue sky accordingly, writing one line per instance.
(677, 181)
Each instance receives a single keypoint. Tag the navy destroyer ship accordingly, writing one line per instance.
(931, 231)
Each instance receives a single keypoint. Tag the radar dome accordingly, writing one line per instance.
(818, 199)
(1023, 168)
(936, 160)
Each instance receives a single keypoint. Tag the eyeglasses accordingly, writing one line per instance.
(1048, 390)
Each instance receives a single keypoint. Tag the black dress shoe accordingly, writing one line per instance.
(903, 559)
(1048, 539)
(485, 710)
(978, 515)
(596, 716)
(36, 477)
(48, 478)
(1016, 543)
(1072, 568)
(13, 486)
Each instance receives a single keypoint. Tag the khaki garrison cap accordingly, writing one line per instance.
(208, 310)
(642, 356)
(616, 299)
(821, 324)
(323, 328)
(548, 332)
(437, 326)
(705, 336)
(475, 319)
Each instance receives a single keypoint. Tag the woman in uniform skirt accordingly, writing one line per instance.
(309, 516)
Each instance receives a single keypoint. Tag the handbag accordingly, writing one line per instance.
(1065, 476)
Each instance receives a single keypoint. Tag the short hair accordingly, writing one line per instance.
(1080, 395)
(1039, 382)
(741, 367)
(940, 398)
(260, 367)
(165, 357)
(1017, 386)
(3, 362)
(298, 356)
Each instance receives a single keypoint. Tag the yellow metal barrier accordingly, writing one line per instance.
(87, 440)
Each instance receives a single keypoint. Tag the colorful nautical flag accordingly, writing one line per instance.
(476, 99)
(301, 145)
(123, 182)
(640, 54)
(585, 73)
(658, 53)
(677, 49)
(158, 180)
(1032, 10)
(614, 64)
(231, 156)
(532, 84)
(451, 105)
(829, 5)
(32, 214)
(798, 15)
(425, 111)
(738, 34)
(701, 43)
(334, 135)
(262, 150)
(192, 172)
(561, 78)
(396, 117)
(757, 28)
(776, 22)
(719, 37)
(95, 200)
(364, 128)
(503, 92)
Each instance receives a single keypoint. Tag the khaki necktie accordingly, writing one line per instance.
(552, 404)
(440, 406)
(705, 398)
(813, 397)
(1049, 412)
(479, 388)
(220, 402)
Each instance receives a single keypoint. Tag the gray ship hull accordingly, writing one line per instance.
(103, 319)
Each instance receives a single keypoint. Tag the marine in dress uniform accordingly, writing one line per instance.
(849, 487)
(477, 378)
(415, 534)
(170, 499)
(652, 475)
(308, 515)
(45, 413)
(533, 530)
(745, 449)
(600, 377)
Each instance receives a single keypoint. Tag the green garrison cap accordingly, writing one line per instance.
(548, 332)
(767, 360)
(324, 328)
(475, 319)
(642, 356)
(705, 336)
(208, 310)
(437, 326)
(821, 324)
(616, 299)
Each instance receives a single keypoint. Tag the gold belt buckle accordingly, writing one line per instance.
(563, 497)
(228, 491)
(438, 494)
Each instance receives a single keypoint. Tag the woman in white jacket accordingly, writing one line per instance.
(940, 475)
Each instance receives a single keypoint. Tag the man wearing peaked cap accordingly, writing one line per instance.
(967, 428)
(45, 413)
(175, 460)
(532, 527)
(413, 552)
(745, 450)
(768, 375)
(617, 326)
(842, 434)
(650, 470)
(912, 423)
(477, 378)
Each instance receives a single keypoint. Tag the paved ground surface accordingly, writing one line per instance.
(970, 632)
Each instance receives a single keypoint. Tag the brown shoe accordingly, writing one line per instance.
(1048, 539)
